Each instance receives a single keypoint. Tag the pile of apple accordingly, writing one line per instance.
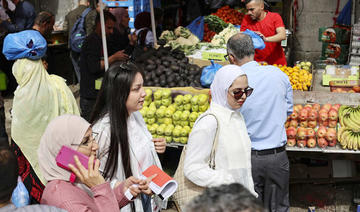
(170, 118)
(312, 124)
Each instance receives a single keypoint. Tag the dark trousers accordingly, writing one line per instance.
(271, 180)
(75, 59)
(86, 106)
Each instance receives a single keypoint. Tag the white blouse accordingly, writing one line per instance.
(233, 153)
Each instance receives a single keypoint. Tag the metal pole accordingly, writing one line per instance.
(103, 35)
(153, 22)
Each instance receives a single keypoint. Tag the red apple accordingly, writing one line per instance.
(322, 143)
(326, 107)
(313, 115)
(303, 124)
(336, 106)
(310, 133)
(297, 108)
(308, 107)
(323, 115)
(301, 143)
(330, 134)
(316, 107)
(333, 114)
(311, 142)
(293, 123)
(301, 133)
(287, 124)
(294, 115)
(333, 123)
(312, 124)
(324, 123)
(291, 132)
(332, 143)
(321, 132)
(303, 115)
(291, 142)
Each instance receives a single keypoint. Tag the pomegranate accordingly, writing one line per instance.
(291, 132)
(311, 143)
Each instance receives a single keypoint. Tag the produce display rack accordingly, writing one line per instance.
(336, 149)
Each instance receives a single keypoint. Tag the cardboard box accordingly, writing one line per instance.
(202, 63)
(339, 72)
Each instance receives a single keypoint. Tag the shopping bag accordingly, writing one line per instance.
(197, 27)
(257, 40)
(20, 196)
(25, 44)
(187, 190)
(208, 74)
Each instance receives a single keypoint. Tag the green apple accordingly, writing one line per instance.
(151, 120)
(152, 129)
(178, 122)
(193, 116)
(160, 120)
(168, 131)
(177, 140)
(308, 63)
(178, 127)
(184, 115)
(172, 107)
(168, 139)
(183, 140)
(155, 135)
(150, 113)
(192, 124)
(187, 106)
(167, 121)
(160, 113)
(194, 108)
(146, 120)
(176, 116)
(158, 103)
(146, 103)
(302, 63)
(195, 100)
(157, 95)
(143, 111)
(203, 108)
(165, 93)
(155, 125)
(176, 132)
(163, 107)
(183, 132)
(187, 98)
(188, 129)
(179, 99)
(203, 99)
(184, 123)
(160, 130)
(148, 92)
(152, 106)
(168, 113)
(166, 102)
(180, 108)
(162, 125)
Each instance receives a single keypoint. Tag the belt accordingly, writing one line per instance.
(268, 151)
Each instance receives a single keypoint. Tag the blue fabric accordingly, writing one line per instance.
(22, 18)
(256, 39)
(344, 17)
(146, 203)
(197, 27)
(20, 196)
(208, 74)
(25, 44)
(266, 110)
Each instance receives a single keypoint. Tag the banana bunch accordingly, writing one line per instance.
(349, 138)
(349, 117)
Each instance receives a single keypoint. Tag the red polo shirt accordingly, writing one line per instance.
(273, 52)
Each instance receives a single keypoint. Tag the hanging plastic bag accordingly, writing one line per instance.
(208, 74)
(257, 40)
(20, 196)
(197, 27)
(25, 44)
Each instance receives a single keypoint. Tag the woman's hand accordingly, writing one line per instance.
(90, 177)
(160, 145)
(144, 185)
(128, 184)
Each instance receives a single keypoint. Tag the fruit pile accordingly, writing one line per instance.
(312, 124)
(230, 15)
(300, 78)
(170, 119)
(306, 65)
(349, 133)
(166, 68)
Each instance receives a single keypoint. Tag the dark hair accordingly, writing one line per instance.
(142, 20)
(240, 45)
(43, 17)
(9, 170)
(230, 198)
(107, 16)
(111, 100)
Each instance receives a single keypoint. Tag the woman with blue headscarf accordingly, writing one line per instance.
(229, 91)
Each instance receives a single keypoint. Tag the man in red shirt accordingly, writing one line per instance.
(270, 27)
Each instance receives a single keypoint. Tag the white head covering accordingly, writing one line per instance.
(223, 79)
(63, 130)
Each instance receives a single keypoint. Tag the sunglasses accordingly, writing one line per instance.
(238, 93)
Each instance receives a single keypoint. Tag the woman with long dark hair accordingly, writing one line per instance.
(126, 147)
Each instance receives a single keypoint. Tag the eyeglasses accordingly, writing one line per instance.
(226, 57)
(86, 140)
(238, 93)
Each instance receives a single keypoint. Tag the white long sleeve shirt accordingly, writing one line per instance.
(232, 155)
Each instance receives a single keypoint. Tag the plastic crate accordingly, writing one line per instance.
(118, 3)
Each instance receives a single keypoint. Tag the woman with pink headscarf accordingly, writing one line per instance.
(121, 38)
(75, 132)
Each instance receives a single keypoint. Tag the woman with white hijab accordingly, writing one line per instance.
(229, 91)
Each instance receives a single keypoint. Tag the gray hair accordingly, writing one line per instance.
(240, 46)
(230, 198)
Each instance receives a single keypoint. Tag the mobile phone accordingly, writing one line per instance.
(66, 157)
